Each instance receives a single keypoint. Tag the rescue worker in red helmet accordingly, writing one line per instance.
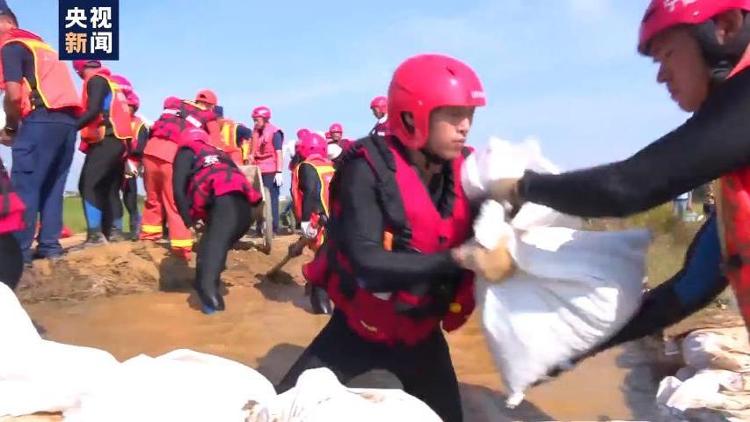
(267, 153)
(11, 221)
(379, 108)
(397, 210)
(106, 129)
(701, 47)
(311, 179)
(41, 107)
(158, 159)
(337, 143)
(209, 187)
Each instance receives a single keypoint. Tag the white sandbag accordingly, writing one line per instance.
(718, 348)
(38, 375)
(182, 386)
(15, 325)
(572, 289)
(319, 397)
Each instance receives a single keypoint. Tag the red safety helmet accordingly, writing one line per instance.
(194, 134)
(80, 65)
(207, 96)
(263, 112)
(311, 143)
(665, 14)
(133, 100)
(423, 83)
(379, 103)
(171, 102)
(336, 128)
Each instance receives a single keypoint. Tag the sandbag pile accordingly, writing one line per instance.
(715, 382)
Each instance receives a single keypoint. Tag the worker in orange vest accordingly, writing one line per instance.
(158, 160)
(41, 105)
(235, 139)
(106, 128)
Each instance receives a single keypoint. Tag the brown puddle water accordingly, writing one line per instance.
(267, 325)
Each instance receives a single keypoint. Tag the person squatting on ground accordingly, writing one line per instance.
(397, 209)
(106, 130)
(210, 188)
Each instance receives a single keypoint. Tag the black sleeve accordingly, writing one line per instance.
(97, 90)
(710, 144)
(310, 188)
(361, 235)
(14, 57)
(140, 142)
(183, 163)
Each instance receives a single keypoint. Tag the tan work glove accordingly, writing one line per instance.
(493, 265)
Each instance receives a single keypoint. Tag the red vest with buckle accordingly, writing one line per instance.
(180, 115)
(115, 115)
(325, 171)
(264, 152)
(413, 224)
(733, 204)
(214, 174)
(11, 206)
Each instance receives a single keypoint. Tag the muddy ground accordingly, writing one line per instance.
(113, 297)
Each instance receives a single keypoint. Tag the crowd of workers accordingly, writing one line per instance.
(386, 215)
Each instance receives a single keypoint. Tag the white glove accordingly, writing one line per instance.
(334, 150)
(132, 169)
(278, 179)
(308, 230)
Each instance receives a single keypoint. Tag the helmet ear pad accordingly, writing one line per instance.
(721, 58)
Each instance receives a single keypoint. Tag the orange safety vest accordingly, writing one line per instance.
(229, 139)
(324, 169)
(136, 125)
(116, 113)
(733, 205)
(53, 88)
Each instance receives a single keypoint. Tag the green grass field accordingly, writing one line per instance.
(74, 219)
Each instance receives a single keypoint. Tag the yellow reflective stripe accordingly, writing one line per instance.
(151, 229)
(187, 243)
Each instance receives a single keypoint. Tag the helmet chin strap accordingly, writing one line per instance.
(722, 58)
(432, 159)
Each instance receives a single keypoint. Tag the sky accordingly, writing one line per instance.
(565, 72)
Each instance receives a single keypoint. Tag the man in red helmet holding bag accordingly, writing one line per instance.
(701, 47)
(397, 209)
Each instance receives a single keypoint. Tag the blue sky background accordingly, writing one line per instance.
(564, 71)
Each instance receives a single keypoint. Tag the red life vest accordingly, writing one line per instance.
(264, 152)
(413, 224)
(733, 205)
(53, 88)
(325, 171)
(177, 116)
(115, 117)
(11, 206)
(214, 174)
